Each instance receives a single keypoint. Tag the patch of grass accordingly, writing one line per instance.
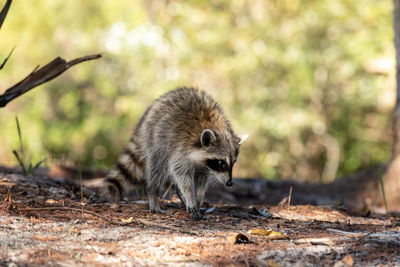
(26, 165)
(383, 189)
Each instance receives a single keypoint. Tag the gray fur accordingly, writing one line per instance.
(178, 138)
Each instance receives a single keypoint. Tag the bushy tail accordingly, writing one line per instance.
(127, 174)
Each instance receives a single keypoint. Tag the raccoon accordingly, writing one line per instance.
(185, 137)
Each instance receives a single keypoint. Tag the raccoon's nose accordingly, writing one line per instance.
(229, 183)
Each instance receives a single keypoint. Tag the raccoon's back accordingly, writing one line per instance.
(179, 117)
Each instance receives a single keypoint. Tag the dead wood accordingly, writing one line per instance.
(3, 15)
(391, 178)
(4, 12)
(6, 59)
(40, 76)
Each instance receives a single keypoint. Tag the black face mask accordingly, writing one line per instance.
(220, 166)
(217, 165)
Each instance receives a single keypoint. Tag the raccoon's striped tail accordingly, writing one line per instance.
(127, 174)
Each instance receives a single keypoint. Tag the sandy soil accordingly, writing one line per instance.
(51, 227)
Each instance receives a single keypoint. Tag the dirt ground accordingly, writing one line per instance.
(49, 225)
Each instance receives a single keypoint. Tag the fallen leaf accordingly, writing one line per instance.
(8, 197)
(129, 220)
(348, 260)
(349, 234)
(272, 263)
(241, 239)
(340, 264)
(270, 234)
(51, 201)
(315, 241)
(277, 235)
(111, 251)
(45, 238)
(7, 183)
(261, 232)
(73, 229)
(209, 210)
(114, 206)
(264, 213)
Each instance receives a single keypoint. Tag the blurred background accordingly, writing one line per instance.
(312, 82)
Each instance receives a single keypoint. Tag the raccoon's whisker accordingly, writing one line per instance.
(211, 181)
(214, 181)
(238, 181)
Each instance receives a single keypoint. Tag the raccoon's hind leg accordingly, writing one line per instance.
(154, 204)
(154, 184)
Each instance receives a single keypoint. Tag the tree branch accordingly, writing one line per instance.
(4, 12)
(6, 59)
(40, 76)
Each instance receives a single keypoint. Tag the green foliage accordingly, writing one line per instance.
(26, 165)
(308, 80)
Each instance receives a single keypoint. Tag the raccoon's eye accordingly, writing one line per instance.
(217, 165)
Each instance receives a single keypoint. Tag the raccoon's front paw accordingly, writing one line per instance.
(195, 212)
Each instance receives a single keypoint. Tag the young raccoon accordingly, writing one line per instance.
(184, 137)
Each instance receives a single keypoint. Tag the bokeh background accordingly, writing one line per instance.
(312, 82)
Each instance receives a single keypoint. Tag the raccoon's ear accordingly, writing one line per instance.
(242, 138)
(207, 137)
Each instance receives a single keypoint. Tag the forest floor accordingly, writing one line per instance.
(50, 226)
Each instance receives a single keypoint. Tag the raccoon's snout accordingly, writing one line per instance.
(229, 183)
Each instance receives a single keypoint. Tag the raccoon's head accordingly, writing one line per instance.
(219, 153)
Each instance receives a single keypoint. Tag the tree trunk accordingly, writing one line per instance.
(396, 113)
(391, 177)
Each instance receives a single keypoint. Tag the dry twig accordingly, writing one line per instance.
(40, 76)
(6, 59)
(168, 189)
(290, 195)
(4, 12)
